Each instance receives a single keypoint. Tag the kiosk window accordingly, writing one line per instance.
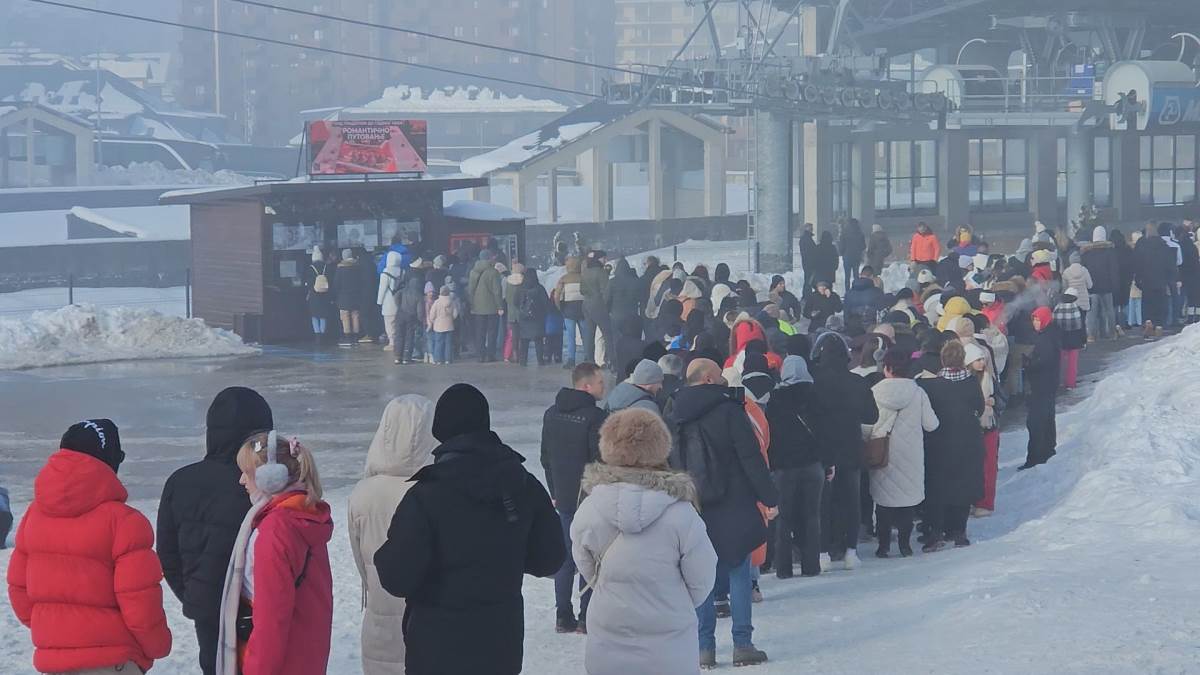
(294, 236)
(391, 227)
(352, 233)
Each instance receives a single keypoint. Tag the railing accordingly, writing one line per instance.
(1016, 94)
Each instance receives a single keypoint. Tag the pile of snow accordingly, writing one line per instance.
(88, 334)
(406, 99)
(154, 173)
(524, 148)
(895, 276)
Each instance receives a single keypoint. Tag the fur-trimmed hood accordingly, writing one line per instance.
(632, 499)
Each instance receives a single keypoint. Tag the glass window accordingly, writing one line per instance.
(1168, 170)
(353, 233)
(1102, 171)
(997, 173)
(906, 176)
(842, 179)
(295, 236)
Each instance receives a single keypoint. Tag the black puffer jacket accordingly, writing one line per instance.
(793, 439)
(458, 548)
(1154, 263)
(570, 441)
(626, 293)
(844, 404)
(203, 506)
(734, 524)
(1100, 259)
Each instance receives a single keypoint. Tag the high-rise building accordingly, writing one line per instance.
(650, 32)
(263, 87)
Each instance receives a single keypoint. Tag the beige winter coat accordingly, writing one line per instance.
(639, 542)
(442, 314)
(904, 409)
(403, 444)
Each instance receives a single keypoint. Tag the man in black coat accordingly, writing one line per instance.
(571, 441)
(844, 404)
(1154, 264)
(716, 444)
(799, 465)
(462, 539)
(808, 260)
(202, 508)
(821, 305)
(1042, 374)
(1100, 258)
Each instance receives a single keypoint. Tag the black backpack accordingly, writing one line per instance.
(697, 456)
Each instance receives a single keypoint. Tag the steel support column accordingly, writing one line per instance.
(773, 212)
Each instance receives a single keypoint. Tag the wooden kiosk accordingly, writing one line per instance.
(252, 244)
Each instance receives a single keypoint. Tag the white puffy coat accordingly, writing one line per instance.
(1077, 276)
(641, 545)
(403, 444)
(904, 408)
(389, 285)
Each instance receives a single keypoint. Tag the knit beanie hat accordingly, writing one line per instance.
(646, 373)
(98, 438)
(462, 409)
(925, 277)
(347, 255)
(445, 290)
(1100, 233)
(973, 353)
(1043, 315)
(486, 255)
(635, 438)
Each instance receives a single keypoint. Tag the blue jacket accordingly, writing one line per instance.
(405, 257)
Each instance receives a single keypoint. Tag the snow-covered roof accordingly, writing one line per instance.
(406, 99)
(525, 148)
(48, 228)
(469, 209)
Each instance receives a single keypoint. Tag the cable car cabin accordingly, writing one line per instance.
(252, 246)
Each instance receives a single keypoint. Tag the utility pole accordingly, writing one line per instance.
(216, 56)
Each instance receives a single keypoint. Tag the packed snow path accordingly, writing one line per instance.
(1087, 566)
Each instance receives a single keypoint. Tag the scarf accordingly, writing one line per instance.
(954, 374)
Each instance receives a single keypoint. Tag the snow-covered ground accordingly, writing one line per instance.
(88, 334)
(171, 301)
(1088, 565)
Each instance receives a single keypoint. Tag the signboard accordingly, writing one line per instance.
(1174, 108)
(367, 146)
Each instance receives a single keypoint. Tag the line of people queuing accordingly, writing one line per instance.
(745, 431)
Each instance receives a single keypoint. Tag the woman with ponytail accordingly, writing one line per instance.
(277, 608)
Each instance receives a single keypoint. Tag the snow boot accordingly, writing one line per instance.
(756, 595)
(826, 562)
(581, 625)
(933, 545)
(708, 659)
(903, 539)
(721, 608)
(782, 573)
(961, 541)
(851, 561)
(565, 623)
(748, 656)
(885, 543)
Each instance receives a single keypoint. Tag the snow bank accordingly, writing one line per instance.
(894, 277)
(88, 334)
(154, 173)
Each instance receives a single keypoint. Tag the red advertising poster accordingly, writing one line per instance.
(367, 146)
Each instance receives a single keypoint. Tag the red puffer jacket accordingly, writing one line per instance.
(292, 621)
(84, 576)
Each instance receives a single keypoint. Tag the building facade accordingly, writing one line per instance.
(263, 87)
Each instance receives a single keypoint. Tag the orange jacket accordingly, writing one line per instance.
(924, 248)
(84, 576)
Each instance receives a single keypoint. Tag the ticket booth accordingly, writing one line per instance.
(251, 245)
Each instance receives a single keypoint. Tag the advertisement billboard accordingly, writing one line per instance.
(367, 146)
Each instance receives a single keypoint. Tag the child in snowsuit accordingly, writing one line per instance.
(277, 605)
(83, 576)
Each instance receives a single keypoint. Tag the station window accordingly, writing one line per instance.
(996, 174)
(842, 179)
(906, 176)
(1102, 172)
(1168, 170)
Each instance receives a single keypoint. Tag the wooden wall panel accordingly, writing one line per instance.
(227, 261)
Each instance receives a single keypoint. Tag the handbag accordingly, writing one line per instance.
(876, 450)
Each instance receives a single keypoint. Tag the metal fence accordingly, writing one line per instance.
(168, 298)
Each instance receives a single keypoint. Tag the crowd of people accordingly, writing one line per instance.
(745, 429)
